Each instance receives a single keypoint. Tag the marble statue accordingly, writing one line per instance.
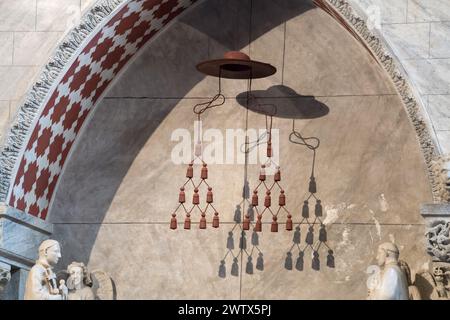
(75, 283)
(79, 282)
(41, 282)
(390, 281)
(85, 285)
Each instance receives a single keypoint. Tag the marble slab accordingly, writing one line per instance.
(431, 76)
(409, 41)
(439, 111)
(6, 48)
(17, 15)
(439, 35)
(428, 10)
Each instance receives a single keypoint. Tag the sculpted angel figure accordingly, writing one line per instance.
(79, 282)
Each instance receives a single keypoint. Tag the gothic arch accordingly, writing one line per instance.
(83, 67)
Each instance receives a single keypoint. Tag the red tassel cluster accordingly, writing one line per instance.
(196, 200)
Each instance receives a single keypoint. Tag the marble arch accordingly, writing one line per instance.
(72, 83)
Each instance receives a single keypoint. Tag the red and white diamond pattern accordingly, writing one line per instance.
(76, 95)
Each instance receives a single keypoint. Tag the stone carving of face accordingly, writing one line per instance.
(53, 254)
(381, 257)
(76, 273)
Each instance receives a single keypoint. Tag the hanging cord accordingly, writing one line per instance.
(261, 108)
(304, 141)
(216, 101)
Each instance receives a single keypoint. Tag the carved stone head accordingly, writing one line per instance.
(50, 251)
(78, 276)
(387, 252)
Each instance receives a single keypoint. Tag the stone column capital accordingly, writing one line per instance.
(437, 234)
(5, 276)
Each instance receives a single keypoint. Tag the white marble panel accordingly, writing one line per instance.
(34, 48)
(440, 40)
(439, 110)
(15, 80)
(4, 117)
(409, 41)
(428, 10)
(384, 11)
(431, 76)
(6, 48)
(17, 15)
(57, 15)
(444, 140)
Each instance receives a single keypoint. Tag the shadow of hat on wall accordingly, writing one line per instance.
(283, 102)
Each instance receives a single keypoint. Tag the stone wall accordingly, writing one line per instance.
(112, 207)
(372, 180)
(29, 32)
(418, 32)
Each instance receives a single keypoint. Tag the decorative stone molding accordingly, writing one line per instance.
(65, 107)
(36, 96)
(346, 16)
(5, 276)
(441, 277)
(441, 172)
(437, 219)
(30, 179)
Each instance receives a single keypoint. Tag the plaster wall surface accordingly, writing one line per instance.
(113, 204)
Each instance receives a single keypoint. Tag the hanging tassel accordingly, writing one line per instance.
(204, 172)
(274, 227)
(203, 221)
(190, 171)
(289, 223)
(182, 196)
(312, 185)
(196, 197)
(267, 201)
(198, 149)
(173, 222)
(277, 176)
(258, 225)
(318, 209)
(215, 223)
(255, 198)
(269, 149)
(282, 198)
(187, 222)
(249, 266)
(246, 223)
(262, 173)
(305, 209)
(209, 195)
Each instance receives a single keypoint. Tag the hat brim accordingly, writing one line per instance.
(236, 69)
